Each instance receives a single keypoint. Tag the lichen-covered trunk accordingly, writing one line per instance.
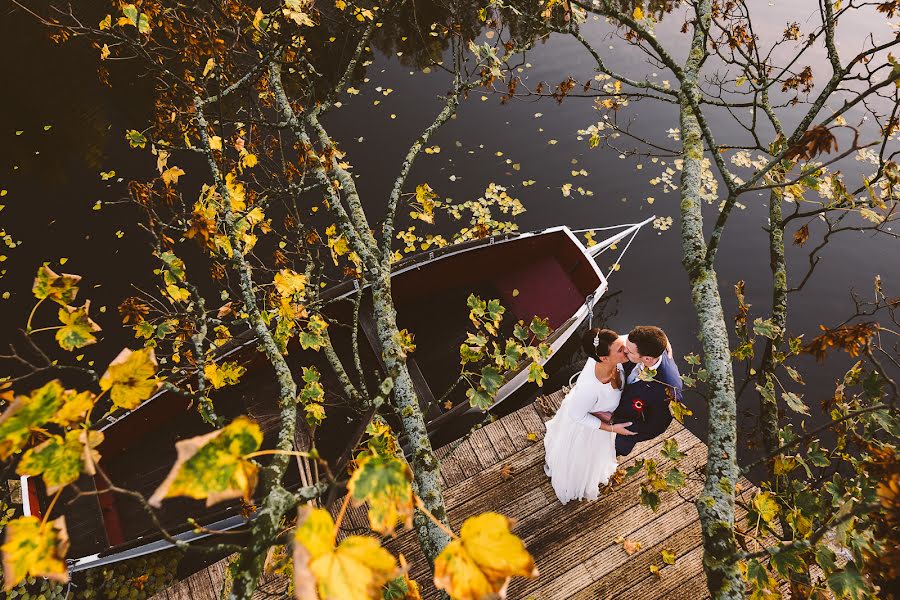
(716, 503)
(424, 464)
(276, 501)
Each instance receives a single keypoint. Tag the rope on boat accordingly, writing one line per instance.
(612, 269)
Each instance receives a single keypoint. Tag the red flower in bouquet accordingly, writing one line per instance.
(638, 405)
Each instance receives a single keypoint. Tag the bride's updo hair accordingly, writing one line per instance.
(596, 342)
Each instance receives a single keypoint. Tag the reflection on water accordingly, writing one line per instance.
(54, 175)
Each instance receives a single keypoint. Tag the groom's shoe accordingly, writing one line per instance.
(547, 470)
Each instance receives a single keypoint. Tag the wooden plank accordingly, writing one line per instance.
(466, 460)
(500, 440)
(217, 575)
(451, 473)
(693, 589)
(531, 421)
(200, 586)
(179, 591)
(512, 423)
(484, 450)
(670, 578)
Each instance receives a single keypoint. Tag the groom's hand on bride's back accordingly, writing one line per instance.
(622, 429)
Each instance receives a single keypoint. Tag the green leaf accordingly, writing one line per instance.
(816, 456)
(491, 380)
(848, 583)
(537, 374)
(511, 355)
(520, 332)
(795, 403)
(540, 328)
(61, 461)
(744, 351)
(679, 411)
(649, 498)
(670, 450)
(692, 359)
(766, 328)
(131, 13)
(78, 329)
(635, 468)
(62, 289)
(143, 23)
(213, 467)
(495, 311)
(786, 562)
(675, 479)
(826, 558)
(27, 413)
(479, 399)
(314, 335)
(767, 391)
(385, 483)
(135, 138)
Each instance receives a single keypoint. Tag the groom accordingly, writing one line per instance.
(643, 411)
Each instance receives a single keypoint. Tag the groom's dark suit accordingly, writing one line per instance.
(654, 416)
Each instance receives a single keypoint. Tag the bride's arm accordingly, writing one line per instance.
(581, 399)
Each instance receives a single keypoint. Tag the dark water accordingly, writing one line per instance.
(53, 181)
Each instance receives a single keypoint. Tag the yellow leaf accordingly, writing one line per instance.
(212, 466)
(131, 377)
(765, 505)
(235, 192)
(668, 556)
(355, 570)
(171, 175)
(77, 328)
(289, 282)
(34, 549)
(222, 374)
(249, 161)
(655, 570)
(61, 461)
(480, 563)
(210, 65)
(62, 289)
(215, 143)
(106, 23)
(385, 483)
(76, 406)
(104, 52)
(638, 13)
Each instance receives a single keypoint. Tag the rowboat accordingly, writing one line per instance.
(548, 273)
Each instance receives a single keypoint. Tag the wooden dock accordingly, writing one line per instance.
(500, 468)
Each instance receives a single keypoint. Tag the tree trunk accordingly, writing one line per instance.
(425, 466)
(716, 503)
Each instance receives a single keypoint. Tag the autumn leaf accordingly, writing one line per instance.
(34, 549)
(290, 283)
(75, 406)
(62, 289)
(481, 562)
(385, 482)
(78, 328)
(765, 505)
(223, 374)
(629, 546)
(355, 570)
(171, 175)
(61, 461)
(314, 334)
(668, 556)
(297, 11)
(27, 413)
(212, 466)
(131, 377)
(135, 139)
(801, 235)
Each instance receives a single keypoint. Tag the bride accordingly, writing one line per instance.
(580, 455)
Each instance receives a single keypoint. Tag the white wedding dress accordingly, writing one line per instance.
(579, 455)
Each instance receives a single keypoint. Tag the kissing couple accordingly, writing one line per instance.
(620, 398)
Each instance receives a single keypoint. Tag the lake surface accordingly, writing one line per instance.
(53, 179)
